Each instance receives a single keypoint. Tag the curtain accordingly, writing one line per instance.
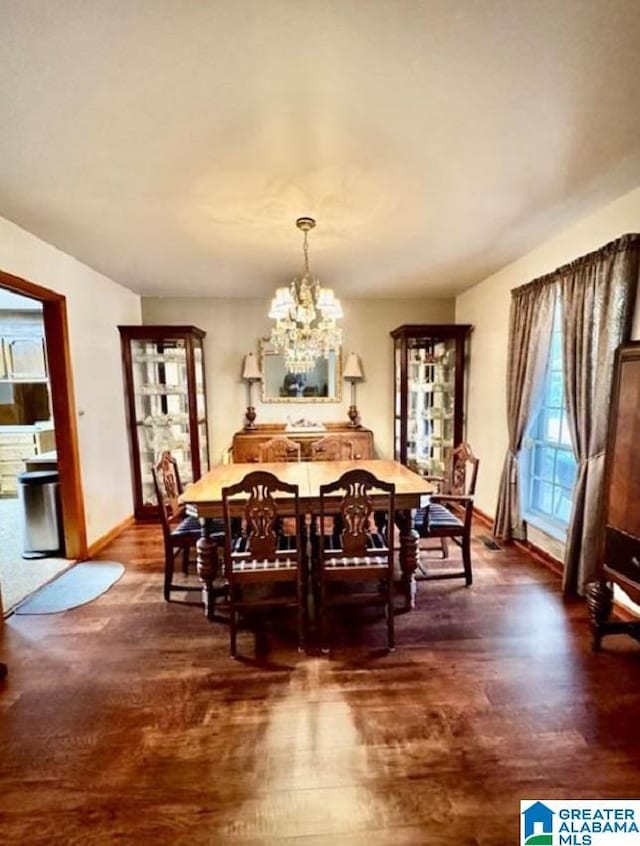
(530, 325)
(598, 298)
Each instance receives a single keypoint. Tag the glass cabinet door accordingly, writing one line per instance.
(428, 396)
(166, 405)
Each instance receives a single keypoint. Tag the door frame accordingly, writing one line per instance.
(54, 313)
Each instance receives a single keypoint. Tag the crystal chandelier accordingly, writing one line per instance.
(305, 315)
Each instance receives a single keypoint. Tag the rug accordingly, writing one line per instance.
(81, 584)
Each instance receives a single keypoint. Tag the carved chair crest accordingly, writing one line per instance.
(260, 516)
(169, 482)
(356, 509)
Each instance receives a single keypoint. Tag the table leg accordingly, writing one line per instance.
(409, 547)
(207, 566)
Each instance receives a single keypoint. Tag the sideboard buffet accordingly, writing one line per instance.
(247, 442)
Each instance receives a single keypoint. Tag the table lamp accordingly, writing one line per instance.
(250, 373)
(353, 373)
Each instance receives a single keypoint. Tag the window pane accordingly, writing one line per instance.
(552, 424)
(554, 389)
(565, 474)
(562, 505)
(555, 359)
(543, 463)
(565, 436)
(549, 473)
(542, 495)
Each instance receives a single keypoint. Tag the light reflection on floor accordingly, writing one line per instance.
(310, 765)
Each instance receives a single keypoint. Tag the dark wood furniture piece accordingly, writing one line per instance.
(620, 541)
(166, 404)
(429, 364)
(279, 448)
(262, 555)
(357, 556)
(246, 443)
(180, 532)
(204, 500)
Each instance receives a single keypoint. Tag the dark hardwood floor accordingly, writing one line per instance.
(125, 721)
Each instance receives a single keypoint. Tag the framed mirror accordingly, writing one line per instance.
(322, 384)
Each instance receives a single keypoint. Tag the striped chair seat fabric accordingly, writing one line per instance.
(243, 563)
(436, 517)
(376, 543)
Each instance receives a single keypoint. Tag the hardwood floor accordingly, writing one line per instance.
(125, 721)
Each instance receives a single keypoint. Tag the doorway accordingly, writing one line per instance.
(36, 388)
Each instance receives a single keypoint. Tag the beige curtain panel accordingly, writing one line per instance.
(598, 295)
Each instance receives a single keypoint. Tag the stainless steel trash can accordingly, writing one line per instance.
(39, 513)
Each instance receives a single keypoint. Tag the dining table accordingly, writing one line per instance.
(203, 499)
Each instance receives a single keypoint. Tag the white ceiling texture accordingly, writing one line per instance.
(171, 144)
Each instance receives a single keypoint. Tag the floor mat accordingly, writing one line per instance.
(81, 584)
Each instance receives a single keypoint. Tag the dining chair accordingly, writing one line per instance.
(332, 448)
(356, 556)
(279, 448)
(180, 532)
(449, 513)
(262, 555)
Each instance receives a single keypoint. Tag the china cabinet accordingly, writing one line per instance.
(429, 363)
(166, 405)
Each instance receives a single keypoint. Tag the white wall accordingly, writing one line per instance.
(95, 306)
(486, 306)
(234, 328)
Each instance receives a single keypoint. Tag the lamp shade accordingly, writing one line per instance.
(251, 368)
(353, 368)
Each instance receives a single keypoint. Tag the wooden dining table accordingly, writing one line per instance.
(203, 499)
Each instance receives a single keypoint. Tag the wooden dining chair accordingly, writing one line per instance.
(279, 448)
(262, 555)
(449, 513)
(332, 448)
(357, 556)
(180, 532)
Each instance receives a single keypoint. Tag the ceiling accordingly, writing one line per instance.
(171, 144)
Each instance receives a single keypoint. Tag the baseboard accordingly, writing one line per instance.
(99, 544)
(482, 517)
(542, 556)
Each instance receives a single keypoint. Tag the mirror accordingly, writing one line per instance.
(322, 384)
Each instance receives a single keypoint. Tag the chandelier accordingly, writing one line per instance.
(305, 315)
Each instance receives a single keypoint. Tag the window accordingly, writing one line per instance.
(548, 464)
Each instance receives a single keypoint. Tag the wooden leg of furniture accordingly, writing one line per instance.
(466, 558)
(409, 551)
(207, 565)
(4, 670)
(600, 603)
(390, 616)
(233, 623)
(169, 557)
